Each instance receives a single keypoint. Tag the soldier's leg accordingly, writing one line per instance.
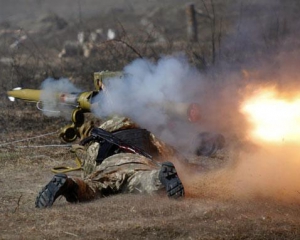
(73, 189)
(135, 176)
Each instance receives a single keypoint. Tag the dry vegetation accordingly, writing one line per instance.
(24, 170)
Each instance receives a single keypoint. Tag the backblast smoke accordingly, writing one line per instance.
(154, 95)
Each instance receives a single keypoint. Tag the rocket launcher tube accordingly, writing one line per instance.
(55, 101)
(80, 100)
(30, 95)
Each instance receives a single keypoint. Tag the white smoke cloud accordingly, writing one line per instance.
(154, 95)
(49, 96)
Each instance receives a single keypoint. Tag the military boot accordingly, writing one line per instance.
(169, 178)
(73, 189)
(59, 185)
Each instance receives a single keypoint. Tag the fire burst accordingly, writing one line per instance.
(274, 118)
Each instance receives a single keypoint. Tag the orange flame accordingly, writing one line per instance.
(274, 118)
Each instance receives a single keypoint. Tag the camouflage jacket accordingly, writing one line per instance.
(88, 154)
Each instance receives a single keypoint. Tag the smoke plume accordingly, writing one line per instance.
(156, 95)
(50, 99)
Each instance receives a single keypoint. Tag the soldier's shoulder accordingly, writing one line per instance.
(116, 123)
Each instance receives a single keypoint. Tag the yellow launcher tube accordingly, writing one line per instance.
(84, 101)
(30, 95)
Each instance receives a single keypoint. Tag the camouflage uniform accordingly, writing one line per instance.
(126, 173)
(88, 156)
(119, 173)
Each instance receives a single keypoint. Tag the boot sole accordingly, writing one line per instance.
(48, 194)
(169, 178)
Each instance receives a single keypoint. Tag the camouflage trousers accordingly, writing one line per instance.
(124, 173)
(119, 173)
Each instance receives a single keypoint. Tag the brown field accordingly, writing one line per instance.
(226, 196)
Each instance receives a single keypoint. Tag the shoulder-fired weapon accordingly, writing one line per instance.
(80, 102)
